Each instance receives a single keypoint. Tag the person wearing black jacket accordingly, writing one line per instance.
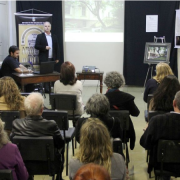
(121, 101)
(47, 44)
(98, 107)
(34, 125)
(166, 127)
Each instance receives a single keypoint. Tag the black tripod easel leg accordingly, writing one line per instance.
(150, 67)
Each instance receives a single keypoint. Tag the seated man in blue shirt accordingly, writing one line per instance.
(11, 65)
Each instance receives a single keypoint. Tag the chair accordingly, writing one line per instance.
(146, 111)
(154, 113)
(123, 116)
(65, 102)
(168, 152)
(150, 115)
(6, 174)
(38, 154)
(8, 117)
(117, 146)
(61, 118)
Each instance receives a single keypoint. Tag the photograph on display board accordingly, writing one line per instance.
(27, 39)
(157, 52)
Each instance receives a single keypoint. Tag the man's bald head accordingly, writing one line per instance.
(47, 27)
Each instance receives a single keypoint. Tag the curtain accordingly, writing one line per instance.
(135, 36)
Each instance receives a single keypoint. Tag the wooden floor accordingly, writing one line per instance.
(138, 165)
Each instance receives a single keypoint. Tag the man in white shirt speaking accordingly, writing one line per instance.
(47, 44)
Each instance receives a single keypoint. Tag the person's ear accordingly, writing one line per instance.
(174, 103)
(42, 109)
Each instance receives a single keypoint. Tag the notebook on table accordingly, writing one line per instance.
(45, 68)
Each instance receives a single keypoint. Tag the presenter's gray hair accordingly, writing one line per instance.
(47, 22)
(33, 104)
(114, 79)
(97, 105)
(177, 99)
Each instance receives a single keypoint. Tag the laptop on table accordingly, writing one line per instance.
(45, 67)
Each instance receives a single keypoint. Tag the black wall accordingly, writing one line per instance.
(135, 36)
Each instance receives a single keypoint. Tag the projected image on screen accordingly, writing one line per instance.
(94, 21)
(157, 53)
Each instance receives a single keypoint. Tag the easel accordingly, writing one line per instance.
(150, 65)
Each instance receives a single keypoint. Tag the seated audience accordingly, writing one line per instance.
(68, 84)
(121, 101)
(10, 97)
(34, 124)
(98, 107)
(92, 171)
(10, 157)
(165, 126)
(163, 97)
(95, 147)
(162, 70)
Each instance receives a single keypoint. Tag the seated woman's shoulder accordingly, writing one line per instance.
(127, 96)
(78, 82)
(118, 158)
(10, 146)
(152, 81)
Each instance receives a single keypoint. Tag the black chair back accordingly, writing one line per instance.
(60, 117)
(123, 116)
(8, 117)
(117, 146)
(63, 101)
(37, 153)
(6, 174)
(154, 113)
(168, 152)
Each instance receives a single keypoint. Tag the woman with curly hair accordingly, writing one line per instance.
(163, 97)
(162, 70)
(10, 157)
(68, 84)
(95, 147)
(120, 100)
(10, 97)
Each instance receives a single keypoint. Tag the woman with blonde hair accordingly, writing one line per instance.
(95, 147)
(10, 157)
(10, 97)
(162, 70)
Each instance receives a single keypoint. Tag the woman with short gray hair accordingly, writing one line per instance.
(98, 107)
(114, 79)
(120, 100)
